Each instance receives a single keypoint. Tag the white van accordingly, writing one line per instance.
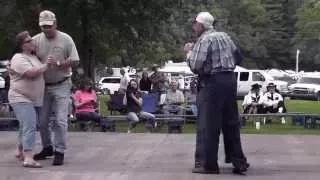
(246, 78)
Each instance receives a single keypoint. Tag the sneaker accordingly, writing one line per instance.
(31, 164)
(45, 152)
(58, 159)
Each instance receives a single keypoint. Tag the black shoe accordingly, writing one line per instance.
(239, 171)
(58, 158)
(247, 165)
(227, 160)
(45, 152)
(202, 170)
(197, 164)
(103, 129)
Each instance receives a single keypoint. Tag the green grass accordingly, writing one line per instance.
(312, 107)
(308, 107)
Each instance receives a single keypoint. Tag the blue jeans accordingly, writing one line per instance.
(27, 115)
(91, 116)
(193, 108)
(133, 118)
(171, 108)
(56, 99)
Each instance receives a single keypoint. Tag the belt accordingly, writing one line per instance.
(56, 83)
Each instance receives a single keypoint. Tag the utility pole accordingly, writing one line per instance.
(297, 61)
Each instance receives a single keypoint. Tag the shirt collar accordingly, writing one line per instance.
(209, 31)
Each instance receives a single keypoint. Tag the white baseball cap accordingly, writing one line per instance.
(46, 18)
(206, 19)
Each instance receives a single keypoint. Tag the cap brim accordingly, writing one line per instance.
(48, 23)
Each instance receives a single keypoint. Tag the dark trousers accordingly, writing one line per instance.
(90, 116)
(271, 109)
(218, 111)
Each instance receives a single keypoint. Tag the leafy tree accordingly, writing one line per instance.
(307, 37)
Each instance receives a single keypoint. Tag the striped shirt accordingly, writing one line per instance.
(213, 52)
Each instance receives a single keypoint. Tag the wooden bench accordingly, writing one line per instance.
(9, 124)
(110, 125)
(174, 123)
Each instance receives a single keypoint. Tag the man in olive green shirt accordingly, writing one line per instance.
(58, 50)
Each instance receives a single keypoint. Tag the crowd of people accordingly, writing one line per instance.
(170, 98)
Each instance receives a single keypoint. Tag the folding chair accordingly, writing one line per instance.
(116, 103)
(150, 105)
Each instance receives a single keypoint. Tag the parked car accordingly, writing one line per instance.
(307, 87)
(2, 82)
(246, 78)
(110, 84)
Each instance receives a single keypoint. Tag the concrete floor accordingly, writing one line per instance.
(95, 156)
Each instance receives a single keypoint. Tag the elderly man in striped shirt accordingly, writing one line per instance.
(214, 57)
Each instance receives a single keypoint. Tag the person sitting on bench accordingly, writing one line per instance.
(174, 100)
(273, 102)
(86, 103)
(134, 107)
(251, 103)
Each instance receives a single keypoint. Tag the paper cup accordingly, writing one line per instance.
(258, 125)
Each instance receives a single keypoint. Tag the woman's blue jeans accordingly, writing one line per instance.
(27, 115)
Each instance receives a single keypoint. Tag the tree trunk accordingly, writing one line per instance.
(86, 50)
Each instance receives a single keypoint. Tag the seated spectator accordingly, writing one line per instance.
(251, 103)
(191, 98)
(145, 83)
(85, 101)
(272, 101)
(174, 100)
(134, 107)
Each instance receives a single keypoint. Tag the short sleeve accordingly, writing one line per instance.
(94, 95)
(72, 50)
(20, 64)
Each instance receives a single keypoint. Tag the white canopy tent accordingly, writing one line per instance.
(182, 68)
